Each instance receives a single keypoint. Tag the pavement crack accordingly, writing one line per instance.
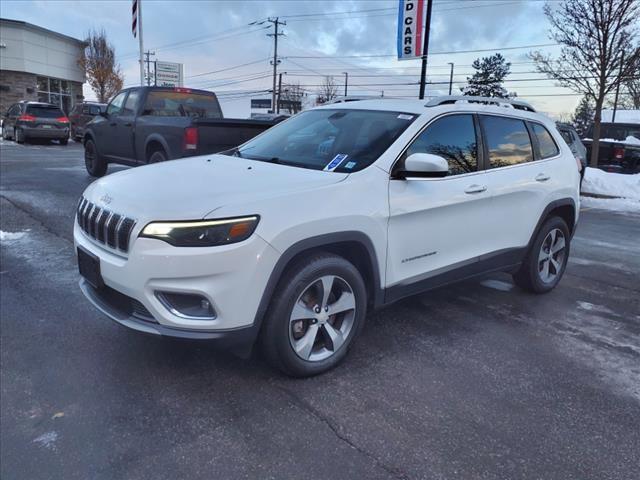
(33, 216)
(307, 407)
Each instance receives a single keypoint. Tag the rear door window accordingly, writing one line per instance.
(546, 144)
(131, 105)
(453, 138)
(169, 103)
(507, 140)
(44, 111)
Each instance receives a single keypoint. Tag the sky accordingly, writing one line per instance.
(322, 38)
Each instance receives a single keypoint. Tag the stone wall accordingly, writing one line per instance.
(16, 86)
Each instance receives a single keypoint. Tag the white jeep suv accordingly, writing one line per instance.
(290, 238)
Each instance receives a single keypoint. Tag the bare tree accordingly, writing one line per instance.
(291, 98)
(599, 50)
(98, 60)
(328, 90)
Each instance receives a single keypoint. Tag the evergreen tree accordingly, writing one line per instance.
(487, 81)
(583, 116)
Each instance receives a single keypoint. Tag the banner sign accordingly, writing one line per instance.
(410, 29)
(169, 74)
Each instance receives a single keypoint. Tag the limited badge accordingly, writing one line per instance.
(337, 160)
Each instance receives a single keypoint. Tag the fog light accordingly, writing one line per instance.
(187, 305)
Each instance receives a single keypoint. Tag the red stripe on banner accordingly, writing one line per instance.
(419, 28)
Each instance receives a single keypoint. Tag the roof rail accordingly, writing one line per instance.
(500, 102)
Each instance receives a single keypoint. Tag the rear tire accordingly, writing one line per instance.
(300, 335)
(157, 156)
(94, 163)
(19, 136)
(547, 258)
(64, 141)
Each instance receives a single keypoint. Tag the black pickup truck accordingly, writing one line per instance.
(619, 149)
(151, 124)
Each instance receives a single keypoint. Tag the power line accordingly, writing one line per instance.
(228, 68)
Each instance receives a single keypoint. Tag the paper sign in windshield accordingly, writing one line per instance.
(337, 160)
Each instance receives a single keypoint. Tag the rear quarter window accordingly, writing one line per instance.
(546, 144)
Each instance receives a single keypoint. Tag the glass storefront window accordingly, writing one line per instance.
(43, 84)
(56, 91)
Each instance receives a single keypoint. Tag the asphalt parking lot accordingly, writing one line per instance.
(476, 380)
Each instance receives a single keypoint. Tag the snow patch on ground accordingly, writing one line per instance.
(590, 307)
(47, 440)
(617, 204)
(497, 285)
(599, 182)
(11, 236)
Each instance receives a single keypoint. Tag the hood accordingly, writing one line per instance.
(191, 188)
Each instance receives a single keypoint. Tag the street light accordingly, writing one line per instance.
(451, 78)
(346, 81)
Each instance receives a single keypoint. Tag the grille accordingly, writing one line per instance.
(105, 226)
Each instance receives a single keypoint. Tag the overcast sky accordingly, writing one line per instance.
(209, 36)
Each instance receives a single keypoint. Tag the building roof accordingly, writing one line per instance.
(31, 26)
(622, 116)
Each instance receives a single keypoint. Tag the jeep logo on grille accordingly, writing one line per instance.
(106, 199)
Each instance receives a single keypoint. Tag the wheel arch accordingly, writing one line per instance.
(564, 208)
(153, 143)
(354, 246)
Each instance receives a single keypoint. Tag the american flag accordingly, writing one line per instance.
(134, 17)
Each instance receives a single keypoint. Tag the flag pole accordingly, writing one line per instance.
(425, 49)
(140, 41)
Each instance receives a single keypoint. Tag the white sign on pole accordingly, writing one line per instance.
(169, 74)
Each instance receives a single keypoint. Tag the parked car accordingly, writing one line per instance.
(152, 124)
(619, 149)
(81, 114)
(570, 135)
(290, 239)
(26, 120)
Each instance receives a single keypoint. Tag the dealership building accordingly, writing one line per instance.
(38, 64)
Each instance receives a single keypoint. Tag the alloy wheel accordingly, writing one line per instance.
(552, 255)
(322, 318)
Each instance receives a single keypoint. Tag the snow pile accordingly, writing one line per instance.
(626, 189)
(622, 116)
(10, 236)
(630, 140)
(599, 182)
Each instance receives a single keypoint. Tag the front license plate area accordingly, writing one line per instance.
(89, 266)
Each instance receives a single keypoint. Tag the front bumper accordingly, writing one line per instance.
(231, 277)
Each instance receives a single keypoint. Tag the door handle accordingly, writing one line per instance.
(542, 177)
(127, 124)
(113, 124)
(475, 188)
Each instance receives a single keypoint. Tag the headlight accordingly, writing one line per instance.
(202, 233)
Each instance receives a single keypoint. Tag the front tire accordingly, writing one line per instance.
(316, 313)
(547, 258)
(64, 141)
(94, 163)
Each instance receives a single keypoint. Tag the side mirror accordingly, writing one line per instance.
(424, 165)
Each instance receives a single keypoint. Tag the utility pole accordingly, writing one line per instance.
(148, 62)
(139, 2)
(451, 78)
(279, 92)
(346, 82)
(276, 22)
(615, 101)
(425, 49)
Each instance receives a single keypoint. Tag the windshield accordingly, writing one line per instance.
(341, 140)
